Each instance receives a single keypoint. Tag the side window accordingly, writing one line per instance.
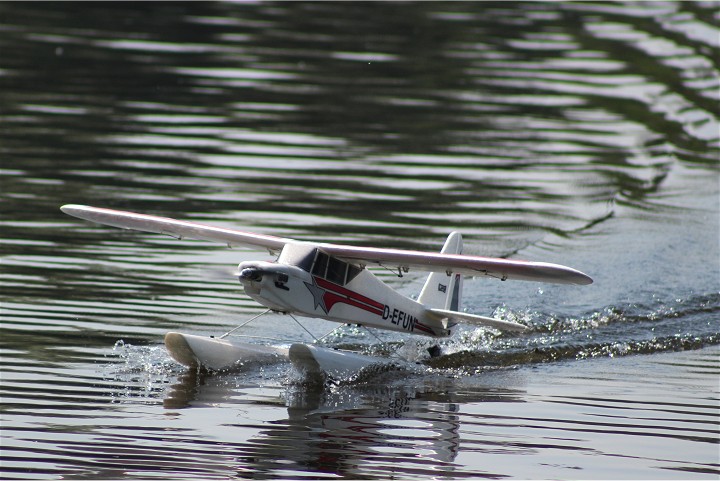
(352, 272)
(321, 262)
(336, 271)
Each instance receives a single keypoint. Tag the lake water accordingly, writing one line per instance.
(584, 134)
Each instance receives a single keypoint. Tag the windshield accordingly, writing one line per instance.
(298, 255)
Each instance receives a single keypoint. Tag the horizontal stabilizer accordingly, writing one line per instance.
(479, 320)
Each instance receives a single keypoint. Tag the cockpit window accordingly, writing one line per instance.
(311, 259)
(333, 269)
(352, 272)
(336, 271)
(321, 262)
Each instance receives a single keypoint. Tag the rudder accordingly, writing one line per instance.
(443, 291)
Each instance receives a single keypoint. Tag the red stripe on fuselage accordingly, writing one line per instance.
(424, 328)
(337, 294)
(325, 284)
(331, 299)
(340, 294)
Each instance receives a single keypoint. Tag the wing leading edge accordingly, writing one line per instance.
(175, 228)
(502, 269)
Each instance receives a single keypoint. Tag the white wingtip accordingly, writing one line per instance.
(70, 208)
(76, 210)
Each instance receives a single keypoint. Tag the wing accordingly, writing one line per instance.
(502, 269)
(174, 228)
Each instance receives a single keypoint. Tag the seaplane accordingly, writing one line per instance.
(333, 282)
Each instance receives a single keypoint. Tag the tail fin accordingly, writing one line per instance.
(443, 291)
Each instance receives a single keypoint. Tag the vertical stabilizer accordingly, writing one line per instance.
(443, 291)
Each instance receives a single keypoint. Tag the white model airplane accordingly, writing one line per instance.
(332, 282)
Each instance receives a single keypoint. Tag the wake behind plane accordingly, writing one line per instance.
(333, 282)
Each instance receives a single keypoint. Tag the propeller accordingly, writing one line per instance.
(251, 274)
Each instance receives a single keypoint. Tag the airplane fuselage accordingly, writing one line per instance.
(307, 282)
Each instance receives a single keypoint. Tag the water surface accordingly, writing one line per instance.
(584, 134)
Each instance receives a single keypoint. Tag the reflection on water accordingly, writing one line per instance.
(579, 133)
(425, 425)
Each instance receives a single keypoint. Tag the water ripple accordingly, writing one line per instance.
(580, 133)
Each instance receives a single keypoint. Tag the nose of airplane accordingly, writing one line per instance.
(250, 274)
